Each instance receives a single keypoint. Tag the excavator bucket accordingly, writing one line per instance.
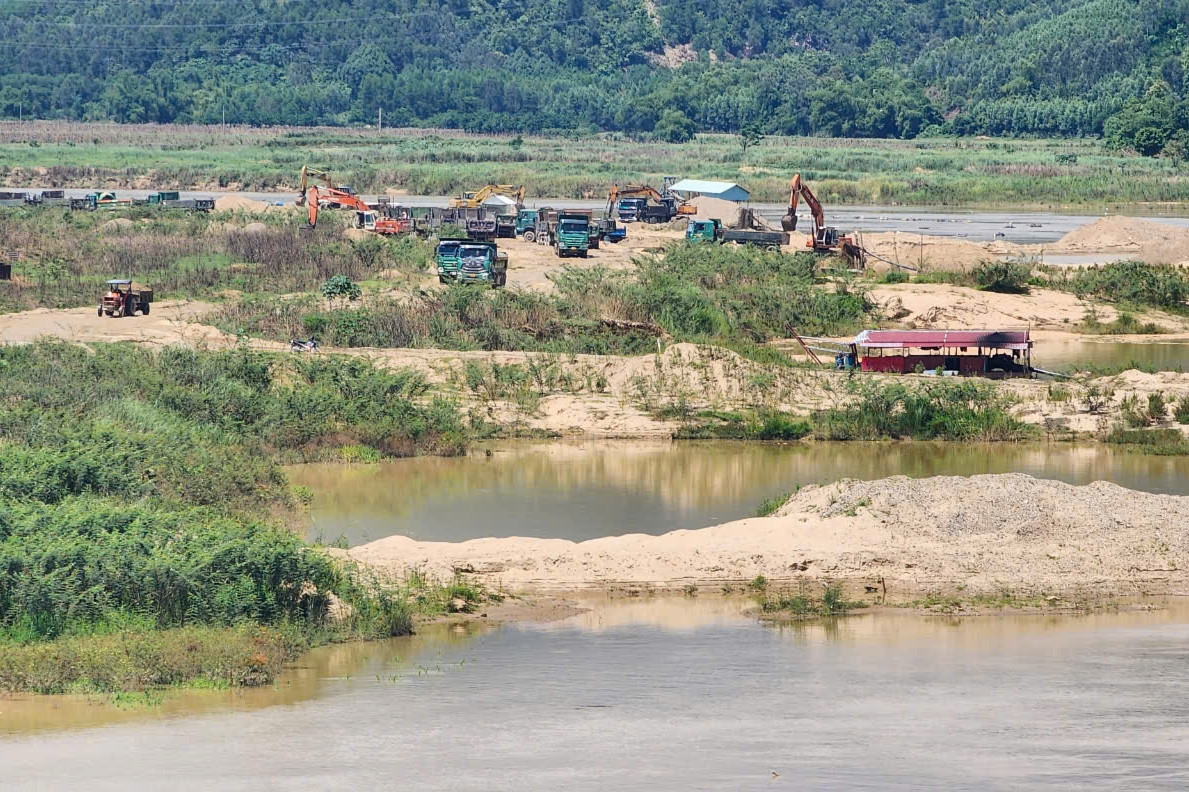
(789, 222)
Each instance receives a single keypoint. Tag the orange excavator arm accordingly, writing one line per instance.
(310, 197)
(801, 190)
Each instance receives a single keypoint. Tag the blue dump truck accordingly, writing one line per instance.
(471, 261)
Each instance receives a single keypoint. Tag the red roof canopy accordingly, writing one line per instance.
(929, 339)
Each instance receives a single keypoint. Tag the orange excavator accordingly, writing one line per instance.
(327, 196)
(824, 238)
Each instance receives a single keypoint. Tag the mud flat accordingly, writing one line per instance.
(978, 534)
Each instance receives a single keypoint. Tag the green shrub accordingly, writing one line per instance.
(1007, 277)
(1134, 282)
(963, 410)
(1163, 442)
(1181, 411)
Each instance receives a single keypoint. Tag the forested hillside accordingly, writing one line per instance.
(864, 68)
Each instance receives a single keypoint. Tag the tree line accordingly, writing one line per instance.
(884, 68)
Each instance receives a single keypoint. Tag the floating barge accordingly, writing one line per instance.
(957, 353)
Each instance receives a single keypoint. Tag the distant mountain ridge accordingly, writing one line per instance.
(863, 68)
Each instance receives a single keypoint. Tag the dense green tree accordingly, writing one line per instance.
(675, 127)
(868, 68)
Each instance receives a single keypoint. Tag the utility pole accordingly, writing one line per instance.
(380, 123)
(224, 124)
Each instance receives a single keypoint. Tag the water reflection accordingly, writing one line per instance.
(591, 489)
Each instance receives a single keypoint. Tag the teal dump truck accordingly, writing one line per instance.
(526, 222)
(572, 237)
(471, 261)
(712, 231)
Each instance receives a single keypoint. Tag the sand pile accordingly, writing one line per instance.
(116, 226)
(1122, 234)
(717, 209)
(984, 532)
(237, 203)
(935, 253)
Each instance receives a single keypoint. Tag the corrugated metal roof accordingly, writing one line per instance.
(706, 187)
(925, 339)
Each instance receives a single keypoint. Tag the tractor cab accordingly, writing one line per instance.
(365, 220)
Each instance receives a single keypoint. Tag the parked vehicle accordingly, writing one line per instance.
(125, 298)
(373, 221)
(471, 261)
(104, 199)
(571, 235)
(309, 345)
(713, 231)
(611, 231)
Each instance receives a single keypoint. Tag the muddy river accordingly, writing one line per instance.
(1071, 355)
(583, 490)
(662, 694)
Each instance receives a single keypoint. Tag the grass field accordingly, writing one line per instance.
(941, 171)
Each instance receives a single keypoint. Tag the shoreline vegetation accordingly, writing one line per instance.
(144, 516)
(935, 171)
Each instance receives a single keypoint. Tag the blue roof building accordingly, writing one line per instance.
(728, 191)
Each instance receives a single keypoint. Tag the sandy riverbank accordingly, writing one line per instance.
(978, 534)
(614, 396)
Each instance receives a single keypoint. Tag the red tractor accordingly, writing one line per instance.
(125, 298)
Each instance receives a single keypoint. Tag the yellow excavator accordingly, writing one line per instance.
(473, 200)
(824, 238)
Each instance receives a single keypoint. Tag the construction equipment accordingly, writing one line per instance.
(125, 298)
(173, 200)
(824, 239)
(326, 197)
(641, 203)
(474, 200)
(571, 235)
(611, 231)
(526, 224)
(471, 261)
(100, 200)
(713, 231)
(569, 231)
(372, 221)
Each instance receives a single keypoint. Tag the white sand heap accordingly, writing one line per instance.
(984, 532)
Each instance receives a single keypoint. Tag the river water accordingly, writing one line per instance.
(1021, 227)
(664, 694)
(583, 490)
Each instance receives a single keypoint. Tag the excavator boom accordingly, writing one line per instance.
(475, 200)
(801, 190)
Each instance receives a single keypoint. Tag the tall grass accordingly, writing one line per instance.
(965, 410)
(66, 256)
(140, 492)
(910, 172)
(735, 297)
(1127, 282)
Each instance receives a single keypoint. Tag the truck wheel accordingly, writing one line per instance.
(530, 236)
(144, 309)
(442, 279)
(585, 254)
(99, 312)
